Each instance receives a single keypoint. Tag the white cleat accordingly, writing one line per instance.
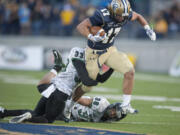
(21, 118)
(128, 109)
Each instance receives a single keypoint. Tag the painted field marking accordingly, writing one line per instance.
(172, 108)
(136, 97)
(139, 76)
(56, 130)
(150, 123)
(148, 77)
(18, 79)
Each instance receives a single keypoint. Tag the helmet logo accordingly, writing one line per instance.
(115, 6)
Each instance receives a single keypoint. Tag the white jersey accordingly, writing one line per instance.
(92, 113)
(66, 81)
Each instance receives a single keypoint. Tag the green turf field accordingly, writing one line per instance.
(156, 96)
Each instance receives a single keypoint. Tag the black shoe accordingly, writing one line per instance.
(58, 63)
(1, 112)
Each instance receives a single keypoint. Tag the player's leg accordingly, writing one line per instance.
(38, 112)
(8, 113)
(55, 105)
(120, 62)
(91, 63)
(40, 107)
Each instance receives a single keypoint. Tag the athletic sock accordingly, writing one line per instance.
(71, 104)
(126, 100)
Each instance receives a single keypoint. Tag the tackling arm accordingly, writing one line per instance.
(85, 101)
(102, 78)
(84, 77)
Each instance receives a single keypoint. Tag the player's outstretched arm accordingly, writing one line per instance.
(144, 23)
(102, 78)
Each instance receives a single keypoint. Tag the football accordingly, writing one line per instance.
(94, 30)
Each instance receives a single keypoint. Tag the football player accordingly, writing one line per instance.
(100, 49)
(55, 88)
(96, 109)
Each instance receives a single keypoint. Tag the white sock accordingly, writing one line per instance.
(126, 100)
(53, 71)
(71, 104)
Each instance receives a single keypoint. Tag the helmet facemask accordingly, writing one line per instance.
(113, 112)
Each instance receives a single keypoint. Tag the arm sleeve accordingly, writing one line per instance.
(102, 78)
(82, 72)
(96, 19)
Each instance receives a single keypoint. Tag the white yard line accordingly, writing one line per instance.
(154, 78)
(172, 108)
(156, 115)
(18, 79)
(136, 97)
(15, 104)
(150, 123)
(139, 76)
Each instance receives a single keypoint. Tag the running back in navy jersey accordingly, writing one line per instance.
(102, 18)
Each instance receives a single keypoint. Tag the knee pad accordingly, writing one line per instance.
(86, 88)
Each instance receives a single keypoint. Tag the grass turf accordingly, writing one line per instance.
(18, 91)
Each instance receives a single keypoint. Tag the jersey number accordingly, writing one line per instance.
(111, 34)
(82, 114)
(96, 101)
(79, 54)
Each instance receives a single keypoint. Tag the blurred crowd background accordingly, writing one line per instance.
(60, 17)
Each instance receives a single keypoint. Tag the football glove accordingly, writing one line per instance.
(97, 37)
(58, 63)
(150, 32)
(128, 109)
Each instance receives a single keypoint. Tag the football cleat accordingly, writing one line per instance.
(58, 63)
(128, 109)
(21, 118)
(1, 112)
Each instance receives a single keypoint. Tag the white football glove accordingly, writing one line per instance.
(97, 37)
(150, 32)
(128, 109)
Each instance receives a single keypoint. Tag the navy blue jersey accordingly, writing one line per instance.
(103, 19)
